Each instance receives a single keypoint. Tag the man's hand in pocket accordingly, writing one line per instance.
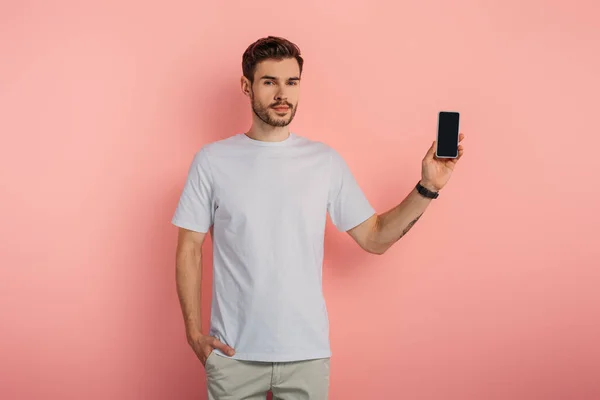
(203, 345)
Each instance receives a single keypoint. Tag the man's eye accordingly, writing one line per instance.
(293, 83)
(268, 82)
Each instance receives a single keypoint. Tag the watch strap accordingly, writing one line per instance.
(423, 191)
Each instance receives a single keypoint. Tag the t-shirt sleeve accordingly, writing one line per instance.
(195, 210)
(347, 205)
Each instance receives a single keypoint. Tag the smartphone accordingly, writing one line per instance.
(447, 134)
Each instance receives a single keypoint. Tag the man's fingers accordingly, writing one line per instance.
(223, 347)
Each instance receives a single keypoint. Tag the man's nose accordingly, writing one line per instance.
(280, 96)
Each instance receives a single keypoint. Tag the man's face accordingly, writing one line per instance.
(275, 91)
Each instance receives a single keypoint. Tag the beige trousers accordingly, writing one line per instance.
(229, 379)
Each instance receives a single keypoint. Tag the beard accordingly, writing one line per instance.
(267, 113)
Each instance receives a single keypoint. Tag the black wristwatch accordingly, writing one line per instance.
(423, 191)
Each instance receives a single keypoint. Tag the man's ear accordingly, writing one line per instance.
(246, 86)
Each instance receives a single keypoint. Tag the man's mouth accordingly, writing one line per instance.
(280, 108)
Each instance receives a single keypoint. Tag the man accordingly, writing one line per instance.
(264, 196)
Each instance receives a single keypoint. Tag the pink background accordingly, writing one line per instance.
(493, 294)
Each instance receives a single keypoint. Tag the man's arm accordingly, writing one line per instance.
(377, 234)
(380, 232)
(188, 278)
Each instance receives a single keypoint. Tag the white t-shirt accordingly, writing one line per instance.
(267, 203)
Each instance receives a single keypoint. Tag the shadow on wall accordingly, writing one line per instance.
(220, 109)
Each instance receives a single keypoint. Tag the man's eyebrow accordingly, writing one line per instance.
(294, 78)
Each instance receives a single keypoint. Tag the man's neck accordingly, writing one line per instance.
(268, 133)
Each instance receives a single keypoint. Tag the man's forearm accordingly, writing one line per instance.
(188, 278)
(395, 223)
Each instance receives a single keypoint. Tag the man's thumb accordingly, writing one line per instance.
(223, 347)
(431, 151)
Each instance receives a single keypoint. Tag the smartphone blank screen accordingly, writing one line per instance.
(447, 140)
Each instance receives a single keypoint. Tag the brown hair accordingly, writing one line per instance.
(271, 47)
